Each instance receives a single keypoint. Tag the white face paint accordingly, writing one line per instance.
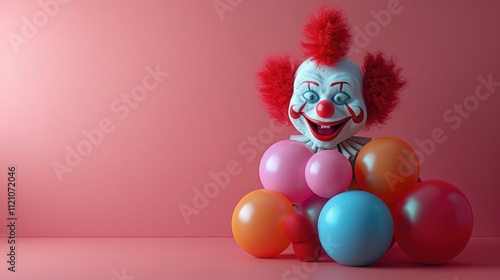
(327, 103)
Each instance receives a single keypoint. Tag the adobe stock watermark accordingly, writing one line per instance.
(31, 26)
(303, 270)
(121, 107)
(453, 118)
(300, 271)
(223, 6)
(121, 276)
(381, 19)
(219, 180)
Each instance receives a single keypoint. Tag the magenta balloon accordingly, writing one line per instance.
(433, 222)
(328, 173)
(311, 208)
(282, 169)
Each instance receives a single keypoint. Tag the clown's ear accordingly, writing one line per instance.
(382, 84)
(327, 37)
(276, 86)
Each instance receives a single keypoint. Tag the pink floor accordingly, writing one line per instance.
(220, 258)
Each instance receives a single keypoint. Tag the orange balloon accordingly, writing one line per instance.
(258, 223)
(386, 167)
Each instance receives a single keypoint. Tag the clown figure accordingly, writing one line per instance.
(328, 98)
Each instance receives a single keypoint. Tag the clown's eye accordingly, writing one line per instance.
(311, 96)
(341, 98)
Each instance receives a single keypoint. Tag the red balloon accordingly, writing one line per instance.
(433, 222)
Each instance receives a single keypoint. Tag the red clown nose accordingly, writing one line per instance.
(325, 109)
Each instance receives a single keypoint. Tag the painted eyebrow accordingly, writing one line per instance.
(340, 83)
(309, 83)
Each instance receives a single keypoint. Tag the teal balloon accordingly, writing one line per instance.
(355, 228)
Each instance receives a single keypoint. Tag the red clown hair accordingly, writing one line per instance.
(327, 41)
(327, 37)
(276, 86)
(382, 83)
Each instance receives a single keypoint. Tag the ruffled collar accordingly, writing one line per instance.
(349, 147)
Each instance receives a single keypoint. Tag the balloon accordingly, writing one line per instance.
(328, 173)
(311, 208)
(391, 205)
(354, 185)
(282, 169)
(386, 167)
(355, 228)
(258, 223)
(433, 222)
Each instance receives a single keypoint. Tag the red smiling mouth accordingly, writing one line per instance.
(325, 131)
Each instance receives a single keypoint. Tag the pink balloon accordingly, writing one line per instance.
(282, 169)
(328, 173)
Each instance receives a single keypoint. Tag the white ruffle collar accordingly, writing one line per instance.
(349, 147)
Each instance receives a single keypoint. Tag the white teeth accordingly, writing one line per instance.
(325, 126)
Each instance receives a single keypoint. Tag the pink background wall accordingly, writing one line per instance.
(70, 74)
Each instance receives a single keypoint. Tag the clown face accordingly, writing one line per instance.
(327, 104)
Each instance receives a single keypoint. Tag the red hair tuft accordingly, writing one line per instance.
(327, 37)
(276, 86)
(382, 84)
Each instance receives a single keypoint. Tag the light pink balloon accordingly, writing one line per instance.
(282, 169)
(328, 173)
